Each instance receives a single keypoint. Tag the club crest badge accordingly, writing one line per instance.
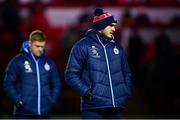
(27, 67)
(95, 52)
(47, 67)
(116, 51)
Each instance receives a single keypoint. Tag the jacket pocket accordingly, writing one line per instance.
(102, 90)
(46, 103)
(29, 104)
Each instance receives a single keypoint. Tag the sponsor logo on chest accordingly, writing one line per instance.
(116, 51)
(46, 66)
(94, 51)
(27, 66)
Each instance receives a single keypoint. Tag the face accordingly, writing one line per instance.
(37, 47)
(109, 30)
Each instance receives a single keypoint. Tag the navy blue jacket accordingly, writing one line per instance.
(102, 69)
(34, 81)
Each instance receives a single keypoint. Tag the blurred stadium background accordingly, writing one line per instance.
(149, 30)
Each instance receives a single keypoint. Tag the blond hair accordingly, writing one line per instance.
(37, 35)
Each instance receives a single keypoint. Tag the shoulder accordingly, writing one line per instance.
(119, 47)
(49, 60)
(83, 41)
(19, 57)
(89, 38)
(118, 44)
(82, 44)
(15, 62)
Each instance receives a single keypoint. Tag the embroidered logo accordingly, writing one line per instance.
(27, 66)
(95, 52)
(116, 51)
(47, 66)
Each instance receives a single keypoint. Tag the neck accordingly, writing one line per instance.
(103, 36)
(103, 39)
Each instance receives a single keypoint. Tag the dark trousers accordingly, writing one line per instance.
(106, 113)
(31, 117)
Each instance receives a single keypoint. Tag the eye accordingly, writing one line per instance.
(111, 25)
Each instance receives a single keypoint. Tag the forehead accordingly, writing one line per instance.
(38, 43)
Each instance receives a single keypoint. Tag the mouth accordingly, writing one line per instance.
(111, 33)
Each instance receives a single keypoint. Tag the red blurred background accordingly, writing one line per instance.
(149, 30)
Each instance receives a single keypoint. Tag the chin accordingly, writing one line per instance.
(37, 55)
(110, 37)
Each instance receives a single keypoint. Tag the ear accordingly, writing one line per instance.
(29, 42)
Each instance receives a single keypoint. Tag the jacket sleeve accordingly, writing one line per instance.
(11, 77)
(55, 83)
(126, 72)
(74, 70)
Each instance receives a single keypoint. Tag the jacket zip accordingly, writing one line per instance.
(109, 73)
(38, 83)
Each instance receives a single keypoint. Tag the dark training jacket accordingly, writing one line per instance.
(34, 81)
(101, 69)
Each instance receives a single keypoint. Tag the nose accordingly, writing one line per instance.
(40, 49)
(113, 28)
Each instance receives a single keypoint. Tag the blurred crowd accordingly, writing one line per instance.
(154, 65)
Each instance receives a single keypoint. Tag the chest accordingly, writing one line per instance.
(31, 67)
(100, 52)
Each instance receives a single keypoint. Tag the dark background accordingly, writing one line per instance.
(149, 30)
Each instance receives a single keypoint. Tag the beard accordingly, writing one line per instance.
(108, 37)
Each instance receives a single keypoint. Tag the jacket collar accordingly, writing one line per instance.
(96, 35)
(25, 49)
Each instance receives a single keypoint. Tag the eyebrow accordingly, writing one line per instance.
(39, 45)
(112, 24)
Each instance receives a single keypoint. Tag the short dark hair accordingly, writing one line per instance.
(37, 35)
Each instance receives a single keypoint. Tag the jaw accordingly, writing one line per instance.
(110, 36)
